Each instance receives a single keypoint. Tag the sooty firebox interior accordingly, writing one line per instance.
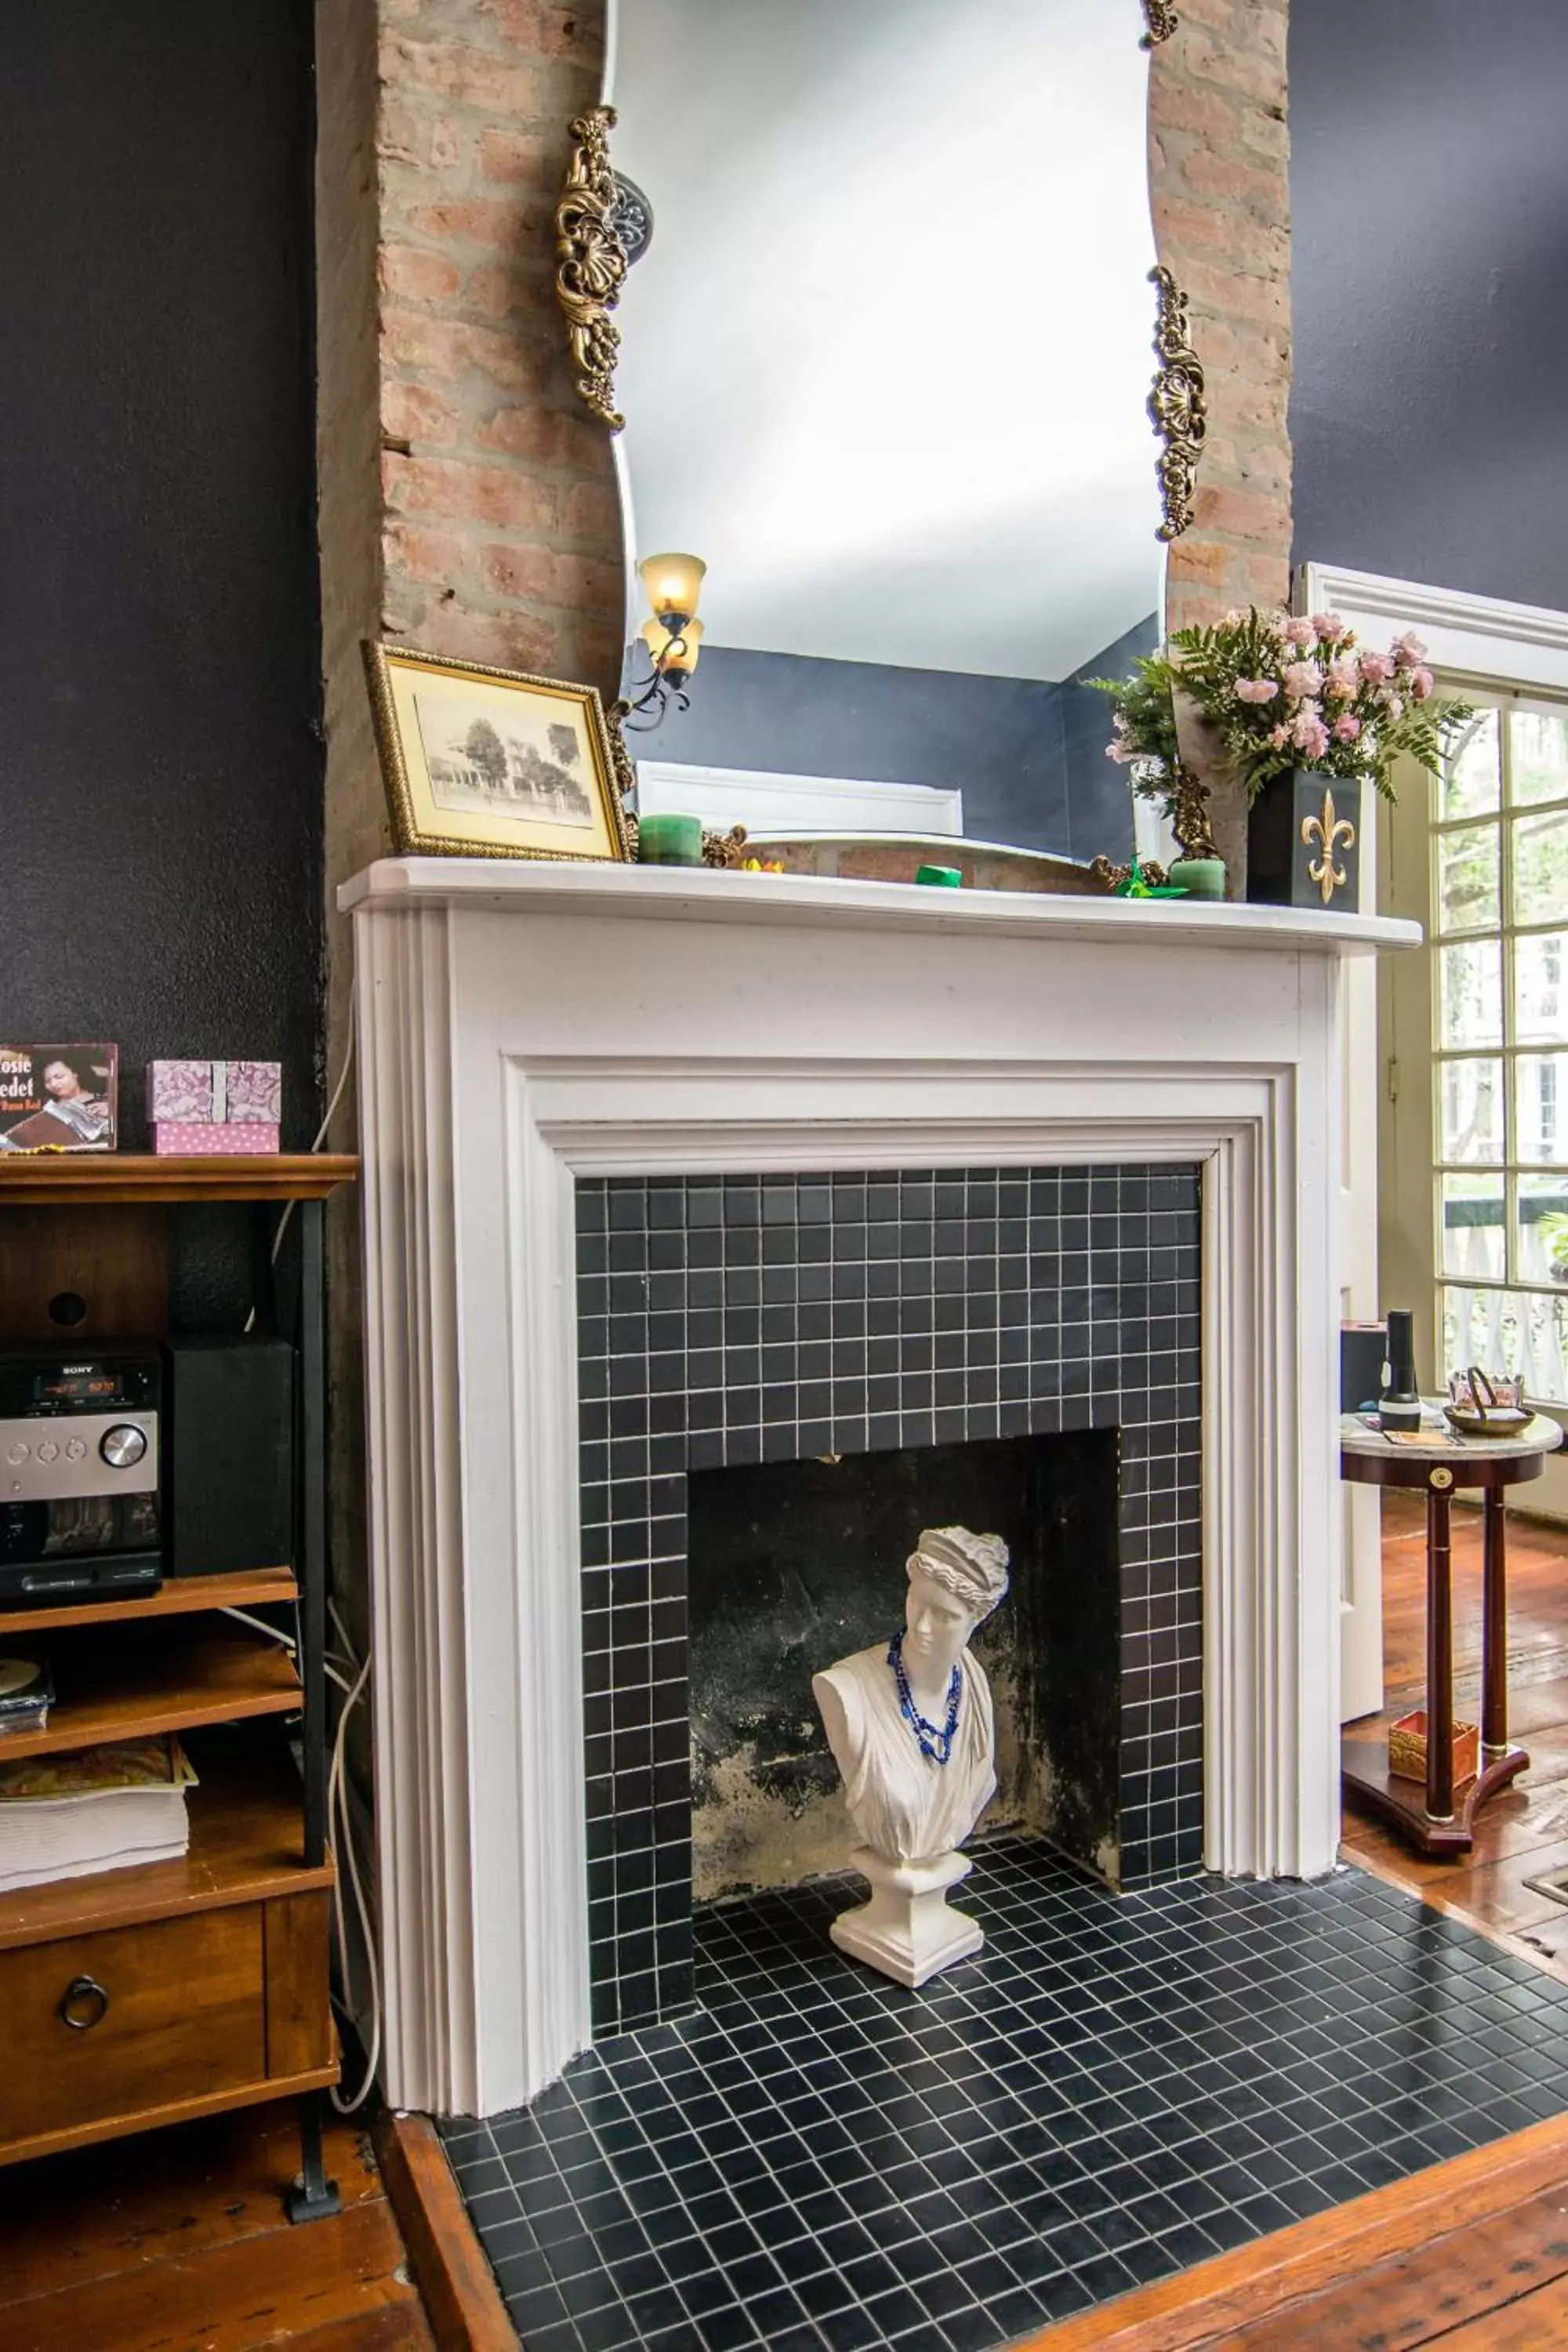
(794, 1564)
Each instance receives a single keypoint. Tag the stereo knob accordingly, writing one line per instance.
(123, 1444)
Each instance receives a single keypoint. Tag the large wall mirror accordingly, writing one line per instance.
(885, 364)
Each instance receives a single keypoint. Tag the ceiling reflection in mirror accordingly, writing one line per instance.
(885, 361)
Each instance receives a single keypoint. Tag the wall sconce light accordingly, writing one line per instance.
(673, 635)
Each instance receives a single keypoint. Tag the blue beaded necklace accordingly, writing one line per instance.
(937, 1745)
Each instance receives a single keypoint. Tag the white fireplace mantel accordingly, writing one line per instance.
(522, 1024)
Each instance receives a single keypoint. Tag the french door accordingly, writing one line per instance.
(1473, 1051)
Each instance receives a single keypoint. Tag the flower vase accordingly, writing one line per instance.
(1202, 750)
(1302, 844)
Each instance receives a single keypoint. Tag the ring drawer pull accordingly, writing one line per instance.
(82, 1993)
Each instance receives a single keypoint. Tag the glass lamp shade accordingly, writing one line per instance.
(658, 639)
(673, 583)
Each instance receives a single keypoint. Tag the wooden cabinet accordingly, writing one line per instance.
(99, 2027)
(143, 1996)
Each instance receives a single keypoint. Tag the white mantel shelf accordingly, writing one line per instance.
(525, 1026)
(711, 895)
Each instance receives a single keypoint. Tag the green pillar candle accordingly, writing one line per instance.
(669, 840)
(942, 878)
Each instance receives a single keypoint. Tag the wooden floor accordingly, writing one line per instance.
(1523, 1832)
(177, 2242)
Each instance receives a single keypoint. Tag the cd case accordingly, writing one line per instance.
(26, 1695)
(60, 1097)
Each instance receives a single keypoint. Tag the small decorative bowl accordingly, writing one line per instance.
(1486, 1404)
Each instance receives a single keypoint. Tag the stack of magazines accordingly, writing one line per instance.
(96, 1809)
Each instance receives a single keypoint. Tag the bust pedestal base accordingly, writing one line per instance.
(906, 1929)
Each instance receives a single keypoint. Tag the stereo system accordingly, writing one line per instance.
(122, 1464)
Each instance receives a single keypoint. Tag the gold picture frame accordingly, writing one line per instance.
(482, 762)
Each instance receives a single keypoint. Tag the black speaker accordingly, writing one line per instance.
(230, 1463)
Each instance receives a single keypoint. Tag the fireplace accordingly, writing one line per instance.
(534, 1035)
(774, 1370)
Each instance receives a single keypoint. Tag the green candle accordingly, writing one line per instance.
(666, 840)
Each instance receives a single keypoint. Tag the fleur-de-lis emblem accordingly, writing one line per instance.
(1327, 831)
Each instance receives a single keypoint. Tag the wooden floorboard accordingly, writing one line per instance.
(454, 2275)
(177, 2241)
(1298, 2287)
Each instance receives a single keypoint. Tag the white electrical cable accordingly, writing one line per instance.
(340, 1816)
(283, 1228)
(338, 1810)
(338, 1798)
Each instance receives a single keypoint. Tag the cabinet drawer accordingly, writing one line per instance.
(174, 2010)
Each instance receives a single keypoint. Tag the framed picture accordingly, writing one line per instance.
(488, 763)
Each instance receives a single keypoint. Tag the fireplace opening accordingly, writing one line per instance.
(792, 1565)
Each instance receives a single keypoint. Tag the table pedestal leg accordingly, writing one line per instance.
(1439, 1655)
(1494, 1629)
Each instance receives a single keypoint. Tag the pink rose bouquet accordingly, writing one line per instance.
(1284, 691)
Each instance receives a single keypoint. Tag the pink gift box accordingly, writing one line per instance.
(249, 1139)
(226, 1093)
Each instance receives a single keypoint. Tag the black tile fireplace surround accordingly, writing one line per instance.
(746, 1319)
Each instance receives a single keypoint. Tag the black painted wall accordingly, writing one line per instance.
(160, 759)
(1429, 182)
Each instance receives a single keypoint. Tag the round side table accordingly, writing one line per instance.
(1435, 1819)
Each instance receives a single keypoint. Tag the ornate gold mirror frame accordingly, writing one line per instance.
(590, 264)
(591, 261)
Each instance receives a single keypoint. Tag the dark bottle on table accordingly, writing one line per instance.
(1400, 1404)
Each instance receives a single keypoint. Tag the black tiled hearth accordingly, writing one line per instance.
(744, 1319)
(820, 2161)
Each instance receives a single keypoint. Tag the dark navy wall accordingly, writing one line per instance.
(1100, 807)
(160, 757)
(1016, 747)
(1429, 181)
(997, 739)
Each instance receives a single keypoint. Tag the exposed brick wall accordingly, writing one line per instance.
(1219, 151)
(502, 537)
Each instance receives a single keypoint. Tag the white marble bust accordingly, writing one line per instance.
(911, 1728)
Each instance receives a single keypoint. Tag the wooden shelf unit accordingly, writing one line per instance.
(245, 1847)
(211, 1971)
(249, 1589)
(112, 1179)
(117, 1685)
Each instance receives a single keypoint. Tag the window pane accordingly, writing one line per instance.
(1470, 783)
(1509, 1331)
(1540, 860)
(1472, 1112)
(1469, 993)
(1540, 999)
(1473, 1227)
(1467, 897)
(1542, 1106)
(1538, 752)
(1541, 1240)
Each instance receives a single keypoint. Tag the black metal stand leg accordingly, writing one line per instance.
(314, 1528)
(313, 2196)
